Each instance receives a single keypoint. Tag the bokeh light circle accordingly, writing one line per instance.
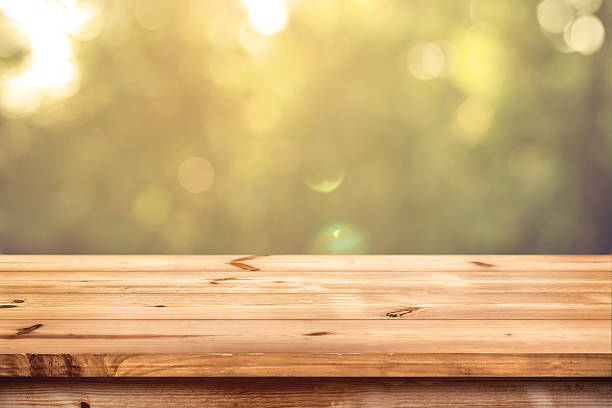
(554, 15)
(196, 174)
(586, 34)
(426, 60)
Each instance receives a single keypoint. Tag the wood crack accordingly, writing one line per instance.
(322, 333)
(27, 330)
(399, 313)
(487, 265)
(239, 263)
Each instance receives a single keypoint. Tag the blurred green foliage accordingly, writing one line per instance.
(312, 126)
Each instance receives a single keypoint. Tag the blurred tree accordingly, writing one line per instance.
(472, 126)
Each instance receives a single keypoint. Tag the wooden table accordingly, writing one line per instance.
(459, 330)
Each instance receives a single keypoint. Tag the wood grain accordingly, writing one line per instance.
(305, 315)
(305, 336)
(307, 365)
(452, 304)
(260, 282)
(300, 393)
(306, 263)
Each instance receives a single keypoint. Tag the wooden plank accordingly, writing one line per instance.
(305, 336)
(305, 263)
(299, 282)
(444, 305)
(312, 393)
(307, 365)
(320, 315)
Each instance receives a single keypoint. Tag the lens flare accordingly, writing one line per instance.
(340, 238)
(323, 168)
(336, 232)
(325, 185)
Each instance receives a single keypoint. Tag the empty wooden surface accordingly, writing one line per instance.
(450, 304)
(303, 392)
(272, 315)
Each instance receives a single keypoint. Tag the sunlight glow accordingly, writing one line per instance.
(478, 69)
(49, 68)
(18, 97)
(267, 17)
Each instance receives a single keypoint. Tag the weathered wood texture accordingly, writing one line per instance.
(306, 365)
(300, 393)
(305, 315)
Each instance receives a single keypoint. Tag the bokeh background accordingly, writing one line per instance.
(305, 126)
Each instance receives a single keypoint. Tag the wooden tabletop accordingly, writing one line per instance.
(196, 316)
